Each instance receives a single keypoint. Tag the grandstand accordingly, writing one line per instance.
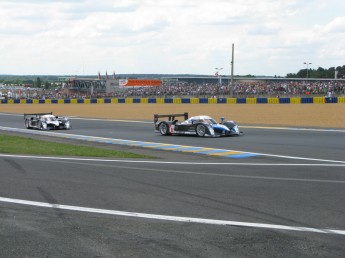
(205, 86)
(89, 86)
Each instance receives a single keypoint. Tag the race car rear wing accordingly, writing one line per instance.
(171, 117)
(36, 114)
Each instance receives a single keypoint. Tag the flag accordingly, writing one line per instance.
(216, 74)
(99, 76)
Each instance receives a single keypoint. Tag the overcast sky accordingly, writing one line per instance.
(82, 37)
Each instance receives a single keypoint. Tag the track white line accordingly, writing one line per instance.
(113, 120)
(293, 128)
(175, 162)
(297, 158)
(106, 163)
(172, 218)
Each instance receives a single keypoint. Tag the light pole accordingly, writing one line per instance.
(306, 63)
(232, 72)
(218, 74)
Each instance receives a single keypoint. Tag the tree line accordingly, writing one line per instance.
(37, 82)
(319, 73)
(47, 81)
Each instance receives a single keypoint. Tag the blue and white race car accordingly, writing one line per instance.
(197, 125)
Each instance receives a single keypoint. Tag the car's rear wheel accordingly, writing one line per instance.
(164, 129)
(27, 124)
(200, 130)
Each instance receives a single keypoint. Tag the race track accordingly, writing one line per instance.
(287, 200)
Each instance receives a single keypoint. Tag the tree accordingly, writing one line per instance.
(46, 85)
(38, 83)
(302, 73)
(291, 75)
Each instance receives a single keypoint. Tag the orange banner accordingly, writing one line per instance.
(139, 83)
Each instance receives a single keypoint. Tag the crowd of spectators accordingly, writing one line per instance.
(241, 89)
(286, 88)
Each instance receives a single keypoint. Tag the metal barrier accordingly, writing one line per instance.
(223, 100)
(261, 100)
(241, 101)
(307, 100)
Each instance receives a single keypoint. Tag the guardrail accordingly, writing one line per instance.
(289, 100)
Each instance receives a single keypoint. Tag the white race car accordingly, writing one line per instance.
(46, 121)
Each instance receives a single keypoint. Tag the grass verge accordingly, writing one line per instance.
(10, 144)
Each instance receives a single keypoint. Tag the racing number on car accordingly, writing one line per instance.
(172, 129)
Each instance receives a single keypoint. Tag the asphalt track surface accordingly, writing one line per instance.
(179, 205)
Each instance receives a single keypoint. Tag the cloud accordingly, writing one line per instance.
(336, 26)
(170, 36)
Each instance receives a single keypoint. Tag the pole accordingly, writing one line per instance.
(232, 72)
(307, 70)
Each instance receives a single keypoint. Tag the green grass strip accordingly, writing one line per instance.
(10, 144)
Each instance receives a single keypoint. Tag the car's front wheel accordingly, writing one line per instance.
(200, 130)
(41, 126)
(164, 129)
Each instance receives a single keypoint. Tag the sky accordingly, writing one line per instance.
(84, 37)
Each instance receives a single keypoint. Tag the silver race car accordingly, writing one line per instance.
(197, 125)
(46, 121)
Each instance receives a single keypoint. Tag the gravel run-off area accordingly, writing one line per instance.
(298, 115)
